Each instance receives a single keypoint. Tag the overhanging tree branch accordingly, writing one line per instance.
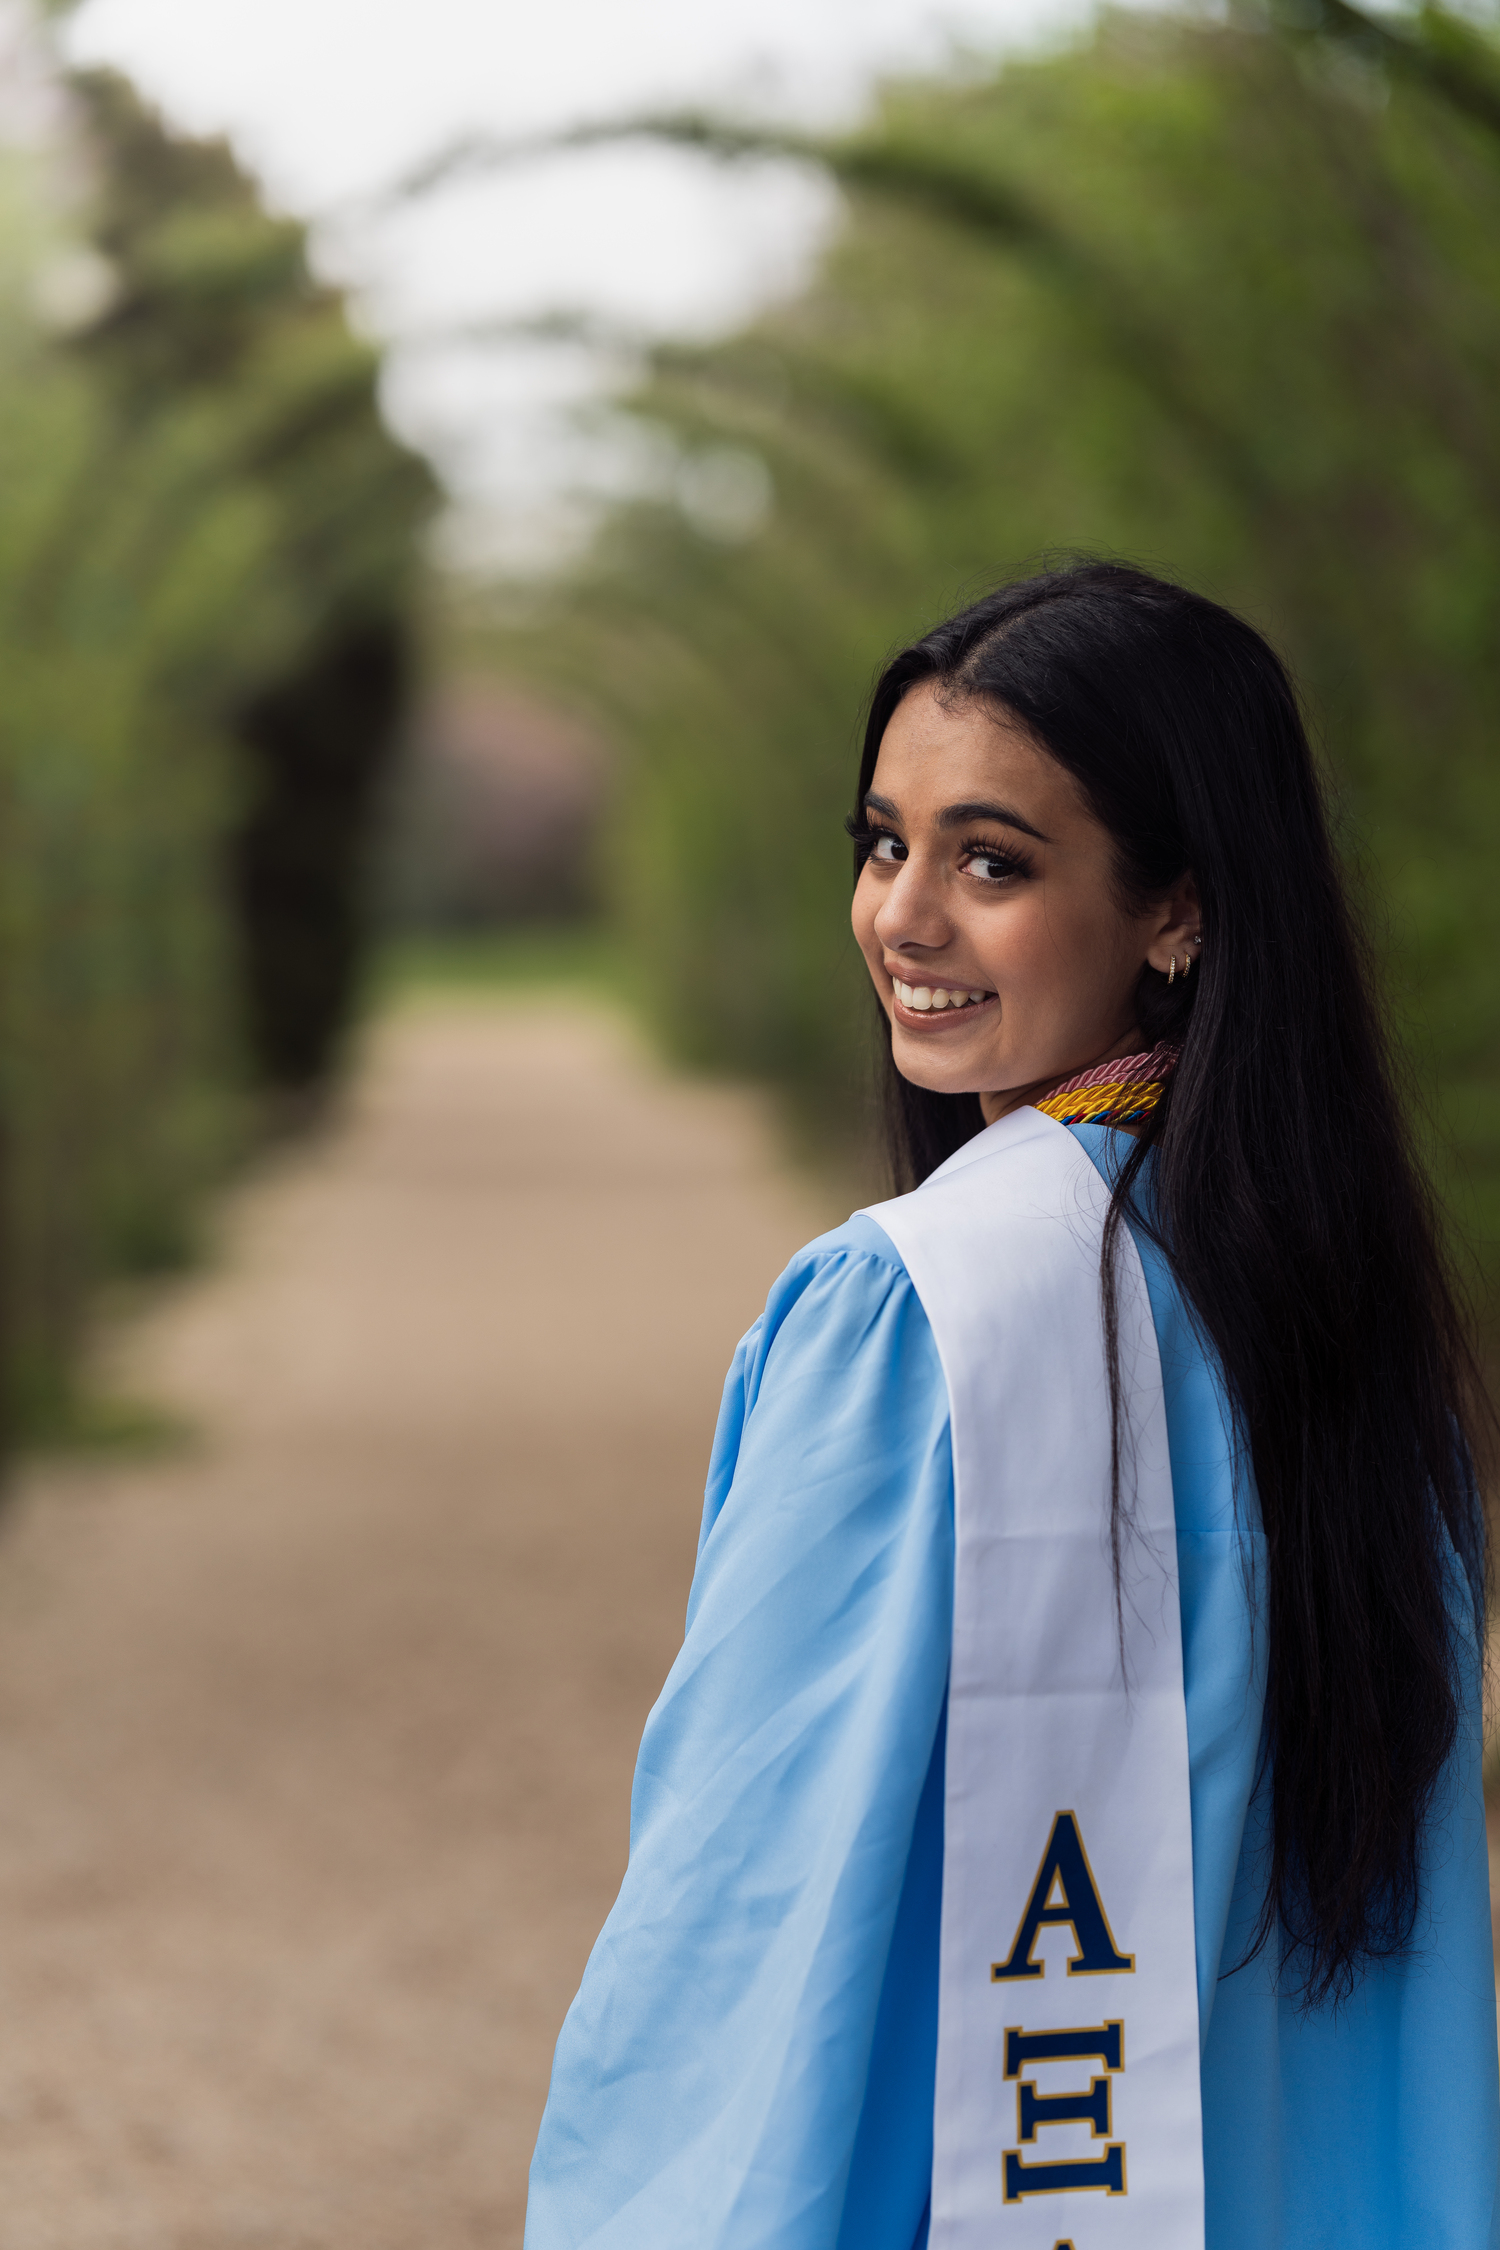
(920, 178)
(1439, 50)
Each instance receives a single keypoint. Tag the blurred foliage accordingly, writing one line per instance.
(1223, 297)
(216, 312)
(202, 515)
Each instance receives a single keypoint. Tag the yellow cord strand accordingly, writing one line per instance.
(1124, 1101)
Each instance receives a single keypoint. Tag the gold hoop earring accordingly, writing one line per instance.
(1172, 972)
(1187, 962)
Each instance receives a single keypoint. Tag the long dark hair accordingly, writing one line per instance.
(1287, 1199)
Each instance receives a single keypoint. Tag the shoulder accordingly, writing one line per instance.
(857, 1240)
(838, 1298)
(835, 1405)
(841, 1363)
(852, 1264)
(858, 1254)
(1003, 1237)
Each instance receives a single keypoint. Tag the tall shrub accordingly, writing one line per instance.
(202, 515)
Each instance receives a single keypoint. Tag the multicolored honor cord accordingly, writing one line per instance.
(1121, 1092)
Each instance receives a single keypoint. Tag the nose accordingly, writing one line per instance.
(912, 917)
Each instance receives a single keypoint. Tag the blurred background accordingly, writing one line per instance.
(462, 468)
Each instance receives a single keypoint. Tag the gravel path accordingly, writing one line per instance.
(315, 1739)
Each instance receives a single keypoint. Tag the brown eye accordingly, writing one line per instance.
(992, 863)
(887, 850)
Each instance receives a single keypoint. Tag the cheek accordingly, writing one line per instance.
(1018, 944)
(1053, 933)
(1067, 964)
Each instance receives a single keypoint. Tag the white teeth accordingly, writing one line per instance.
(927, 996)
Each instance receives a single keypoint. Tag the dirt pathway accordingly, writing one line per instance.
(315, 1740)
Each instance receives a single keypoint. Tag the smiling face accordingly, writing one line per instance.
(988, 911)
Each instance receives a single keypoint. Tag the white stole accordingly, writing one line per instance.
(1067, 2107)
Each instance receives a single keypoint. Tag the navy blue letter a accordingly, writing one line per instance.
(1065, 1872)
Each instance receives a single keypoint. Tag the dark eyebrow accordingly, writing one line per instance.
(960, 816)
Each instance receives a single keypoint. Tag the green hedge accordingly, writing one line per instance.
(200, 505)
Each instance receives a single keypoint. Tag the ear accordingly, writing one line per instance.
(1175, 927)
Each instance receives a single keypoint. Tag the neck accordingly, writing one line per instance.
(994, 1106)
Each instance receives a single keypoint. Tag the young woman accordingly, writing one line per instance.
(1062, 1826)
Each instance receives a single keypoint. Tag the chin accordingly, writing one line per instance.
(925, 1070)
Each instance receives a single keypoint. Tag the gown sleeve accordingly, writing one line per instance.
(717, 2081)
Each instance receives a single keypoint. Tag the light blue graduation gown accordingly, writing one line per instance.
(749, 2063)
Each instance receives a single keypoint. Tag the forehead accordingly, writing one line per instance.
(934, 754)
